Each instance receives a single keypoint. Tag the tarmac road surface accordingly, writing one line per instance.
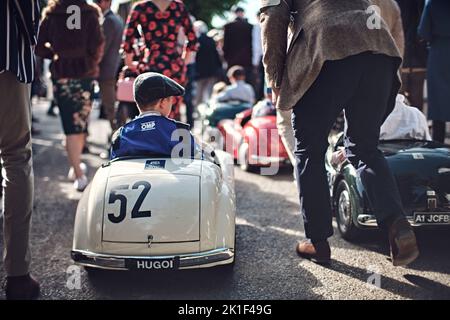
(267, 267)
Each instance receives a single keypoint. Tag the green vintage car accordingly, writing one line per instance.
(212, 115)
(422, 172)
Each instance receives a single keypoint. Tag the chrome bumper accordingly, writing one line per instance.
(187, 261)
(370, 221)
(267, 160)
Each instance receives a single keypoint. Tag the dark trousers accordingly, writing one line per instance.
(261, 82)
(413, 87)
(362, 85)
(188, 96)
(439, 130)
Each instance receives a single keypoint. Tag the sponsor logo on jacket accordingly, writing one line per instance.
(147, 126)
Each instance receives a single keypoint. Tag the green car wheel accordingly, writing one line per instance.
(344, 212)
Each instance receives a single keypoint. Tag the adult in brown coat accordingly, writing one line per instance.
(341, 56)
(390, 12)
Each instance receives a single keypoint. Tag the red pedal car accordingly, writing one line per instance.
(252, 137)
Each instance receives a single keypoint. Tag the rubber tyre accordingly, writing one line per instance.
(344, 212)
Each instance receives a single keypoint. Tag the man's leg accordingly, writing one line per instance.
(312, 119)
(209, 85)
(417, 89)
(1, 189)
(365, 113)
(250, 77)
(200, 87)
(413, 87)
(284, 126)
(439, 130)
(189, 95)
(108, 94)
(15, 153)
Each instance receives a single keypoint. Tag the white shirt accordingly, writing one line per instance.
(405, 122)
(257, 50)
(149, 113)
(239, 91)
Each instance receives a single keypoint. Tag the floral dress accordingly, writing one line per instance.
(159, 31)
(74, 98)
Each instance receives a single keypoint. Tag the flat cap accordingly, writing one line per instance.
(237, 9)
(151, 86)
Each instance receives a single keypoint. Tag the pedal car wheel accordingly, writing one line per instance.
(344, 212)
(244, 158)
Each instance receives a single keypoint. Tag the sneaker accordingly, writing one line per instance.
(81, 183)
(71, 174)
(51, 113)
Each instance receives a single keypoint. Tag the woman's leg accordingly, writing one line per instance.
(74, 147)
(74, 101)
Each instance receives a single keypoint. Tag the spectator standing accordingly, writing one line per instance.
(237, 46)
(188, 97)
(415, 55)
(435, 29)
(74, 69)
(112, 30)
(160, 22)
(208, 63)
(318, 77)
(19, 23)
(390, 12)
(257, 56)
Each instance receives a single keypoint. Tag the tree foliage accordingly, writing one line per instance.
(206, 9)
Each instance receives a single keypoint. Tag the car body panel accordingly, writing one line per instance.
(419, 167)
(223, 110)
(162, 219)
(192, 204)
(259, 133)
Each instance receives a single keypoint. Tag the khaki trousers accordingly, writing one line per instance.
(204, 89)
(17, 171)
(108, 95)
(284, 126)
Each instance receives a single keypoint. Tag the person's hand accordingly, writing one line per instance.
(133, 66)
(339, 157)
(130, 63)
(275, 95)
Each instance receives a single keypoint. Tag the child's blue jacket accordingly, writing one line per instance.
(151, 135)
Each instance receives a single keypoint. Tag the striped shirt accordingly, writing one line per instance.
(19, 24)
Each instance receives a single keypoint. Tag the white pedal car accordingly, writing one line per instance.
(155, 213)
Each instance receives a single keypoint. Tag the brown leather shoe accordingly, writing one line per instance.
(22, 288)
(403, 242)
(319, 252)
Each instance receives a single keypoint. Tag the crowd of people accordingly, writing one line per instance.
(158, 36)
(92, 50)
(161, 36)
